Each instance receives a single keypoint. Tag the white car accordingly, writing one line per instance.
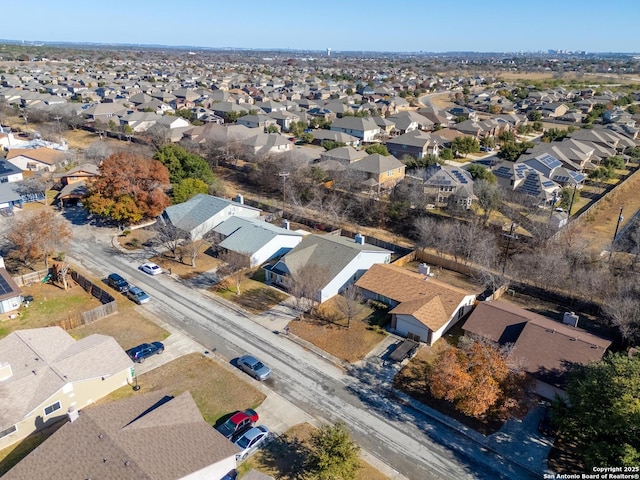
(151, 268)
(251, 440)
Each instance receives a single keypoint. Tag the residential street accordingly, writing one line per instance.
(404, 439)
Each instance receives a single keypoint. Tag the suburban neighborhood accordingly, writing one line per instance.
(274, 265)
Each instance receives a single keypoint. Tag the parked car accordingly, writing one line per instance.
(545, 426)
(118, 283)
(151, 268)
(251, 440)
(238, 423)
(254, 367)
(141, 352)
(138, 295)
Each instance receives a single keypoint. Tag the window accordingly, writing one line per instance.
(8, 431)
(51, 408)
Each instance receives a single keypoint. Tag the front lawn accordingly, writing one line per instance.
(412, 380)
(254, 296)
(286, 456)
(328, 331)
(215, 390)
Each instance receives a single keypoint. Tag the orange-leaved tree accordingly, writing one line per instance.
(475, 376)
(130, 188)
(37, 235)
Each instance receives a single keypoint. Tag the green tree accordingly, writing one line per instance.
(601, 413)
(480, 172)
(330, 144)
(182, 164)
(512, 150)
(188, 188)
(272, 129)
(507, 137)
(377, 148)
(568, 196)
(615, 162)
(332, 454)
(465, 145)
(446, 154)
(538, 126)
(297, 128)
(534, 115)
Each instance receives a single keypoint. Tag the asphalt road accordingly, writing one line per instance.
(406, 440)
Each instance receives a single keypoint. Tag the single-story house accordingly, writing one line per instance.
(257, 239)
(145, 437)
(74, 183)
(422, 308)
(9, 173)
(33, 159)
(341, 260)
(198, 215)
(44, 372)
(10, 293)
(361, 127)
(544, 347)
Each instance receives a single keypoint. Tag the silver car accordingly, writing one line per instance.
(251, 440)
(254, 367)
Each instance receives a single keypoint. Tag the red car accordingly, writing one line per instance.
(238, 423)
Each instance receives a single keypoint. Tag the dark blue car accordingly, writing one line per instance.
(139, 353)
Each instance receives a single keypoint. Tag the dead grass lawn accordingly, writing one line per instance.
(205, 261)
(215, 390)
(329, 332)
(254, 296)
(285, 457)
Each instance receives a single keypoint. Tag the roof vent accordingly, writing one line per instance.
(359, 239)
(72, 414)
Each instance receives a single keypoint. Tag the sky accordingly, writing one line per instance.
(342, 25)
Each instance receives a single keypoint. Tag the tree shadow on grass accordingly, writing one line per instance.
(286, 455)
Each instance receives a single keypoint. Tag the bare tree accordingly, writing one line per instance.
(170, 236)
(623, 311)
(488, 197)
(235, 266)
(304, 285)
(36, 186)
(349, 302)
(192, 249)
(97, 151)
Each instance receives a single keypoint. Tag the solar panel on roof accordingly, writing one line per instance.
(548, 183)
(4, 286)
(459, 176)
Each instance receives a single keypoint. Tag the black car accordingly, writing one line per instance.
(118, 283)
(139, 353)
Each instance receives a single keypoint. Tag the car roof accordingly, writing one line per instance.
(115, 276)
(135, 290)
(238, 417)
(249, 359)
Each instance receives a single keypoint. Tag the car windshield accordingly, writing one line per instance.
(140, 294)
(258, 366)
(243, 442)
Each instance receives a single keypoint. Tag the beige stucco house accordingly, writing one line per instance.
(44, 373)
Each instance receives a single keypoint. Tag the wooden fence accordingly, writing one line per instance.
(29, 278)
(108, 307)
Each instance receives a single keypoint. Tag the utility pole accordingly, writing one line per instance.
(615, 234)
(509, 236)
(573, 197)
(284, 176)
(57, 118)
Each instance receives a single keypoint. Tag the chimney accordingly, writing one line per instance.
(240, 198)
(2, 262)
(72, 414)
(359, 239)
(5, 371)
(570, 318)
(285, 224)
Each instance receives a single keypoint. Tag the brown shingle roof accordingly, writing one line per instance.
(430, 301)
(152, 436)
(43, 155)
(544, 347)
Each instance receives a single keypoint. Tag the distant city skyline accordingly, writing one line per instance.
(347, 25)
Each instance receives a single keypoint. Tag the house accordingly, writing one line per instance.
(422, 308)
(10, 197)
(545, 348)
(198, 215)
(361, 127)
(407, 121)
(144, 437)
(74, 183)
(10, 293)
(384, 170)
(257, 121)
(266, 144)
(256, 239)
(447, 184)
(45, 371)
(344, 155)
(340, 260)
(321, 135)
(35, 159)
(463, 112)
(9, 173)
(416, 143)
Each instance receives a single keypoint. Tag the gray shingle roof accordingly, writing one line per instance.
(194, 212)
(43, 360)
(377, 164)
(144, 437)
(247, 236)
